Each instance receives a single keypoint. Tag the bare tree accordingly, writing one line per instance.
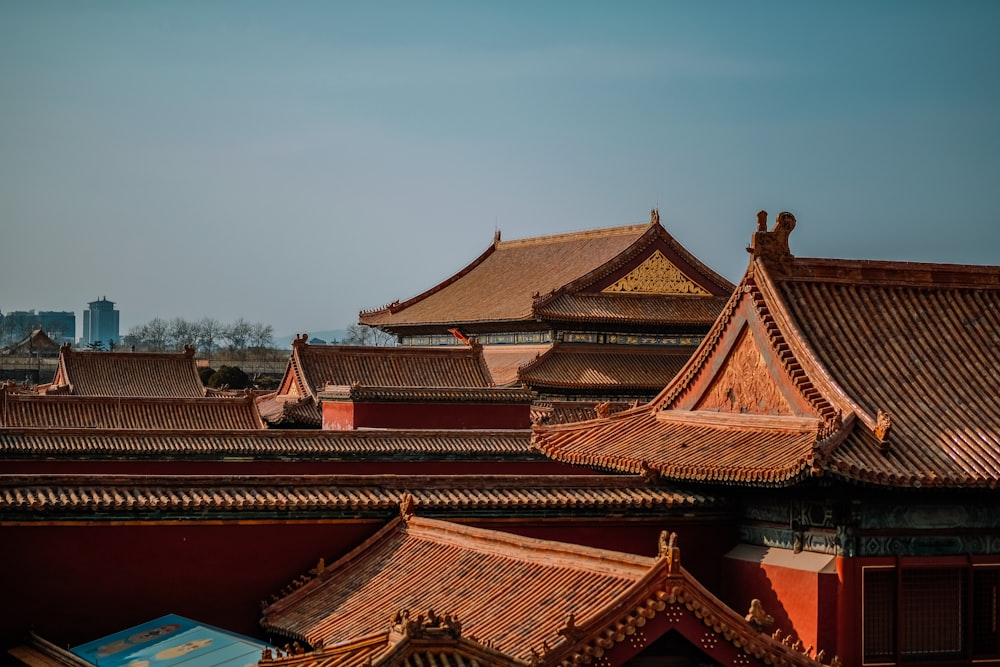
(181, 333)
(261, 336)
(209, 332)
(238, 335)
(363, 334)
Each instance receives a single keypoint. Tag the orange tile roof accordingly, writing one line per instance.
(619, 367)
(892, 361)
(632, 309)
(313, 367)
(535, 601)
(145, 374)
(565, 412)
(501, 283)
(504, 360)
(380, 444)
(65, 411)
(29, 497)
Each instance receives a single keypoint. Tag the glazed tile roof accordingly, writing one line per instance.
(427, 394)
(648, 309)
(139, 374)
(895, 363)
(501, 283)
(381, 444)
(535, 601)
(37, 342)
(289, 411)
(692, 447)
(423, 644)
(84, 497)
(504, 360)
(619, 367)
(64, 411)
(565, 412)
(313, 367)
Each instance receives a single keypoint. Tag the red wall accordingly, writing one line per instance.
(75, 583)
(347, 416)
(802, 602)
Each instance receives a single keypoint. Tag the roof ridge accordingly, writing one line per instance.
(893, 273)
(526, 549)
(562, 237)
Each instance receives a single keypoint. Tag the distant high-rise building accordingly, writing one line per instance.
(100, 322)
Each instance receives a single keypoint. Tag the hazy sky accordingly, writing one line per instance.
(295, 162)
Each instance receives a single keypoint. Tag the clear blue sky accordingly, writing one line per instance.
(294, 162)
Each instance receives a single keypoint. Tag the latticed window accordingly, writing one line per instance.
(879, 613)
(985, 609)
(930, 614)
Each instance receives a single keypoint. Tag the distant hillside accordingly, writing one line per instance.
(329, 337)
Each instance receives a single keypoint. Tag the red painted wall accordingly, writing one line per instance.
(428, 415)
(802, 602)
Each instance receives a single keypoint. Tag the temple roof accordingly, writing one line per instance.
(505, 360)
(140, 374)
(871, 371)
(65, 411)
(534, 601)
(371, 445)
(85, 497)
(36, 342)
(312, 367)
(595, 367)
(511, 278)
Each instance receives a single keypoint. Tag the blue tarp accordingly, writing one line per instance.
(172, 641)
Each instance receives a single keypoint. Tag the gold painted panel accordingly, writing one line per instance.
(657, 275)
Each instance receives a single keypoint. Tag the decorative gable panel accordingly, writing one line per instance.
(744, 384)
(657, 275)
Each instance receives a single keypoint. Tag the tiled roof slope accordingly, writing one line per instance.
(536, 601)
(879, 372)
(504, 360)
(580, 366)
(140, 374)
(375, 445)
(426, 644)
(500, 284)
(184, 414)
(647, 309)
(112, 497)
(313, 367)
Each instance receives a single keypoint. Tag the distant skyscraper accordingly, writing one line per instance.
(100, 322)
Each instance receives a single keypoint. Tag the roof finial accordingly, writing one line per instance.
(654, 216)
(771, 247)
(883, 422)
(406, 506)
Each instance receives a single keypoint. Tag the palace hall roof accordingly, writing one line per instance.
(877, 372)
(505, 360)
(37, 342)
(621, 367)
(139, 374)
(303, 445)
(99, 412)
(316, 368)
(231, 497)
(518, 281)
(533, 601)
(311, 368)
